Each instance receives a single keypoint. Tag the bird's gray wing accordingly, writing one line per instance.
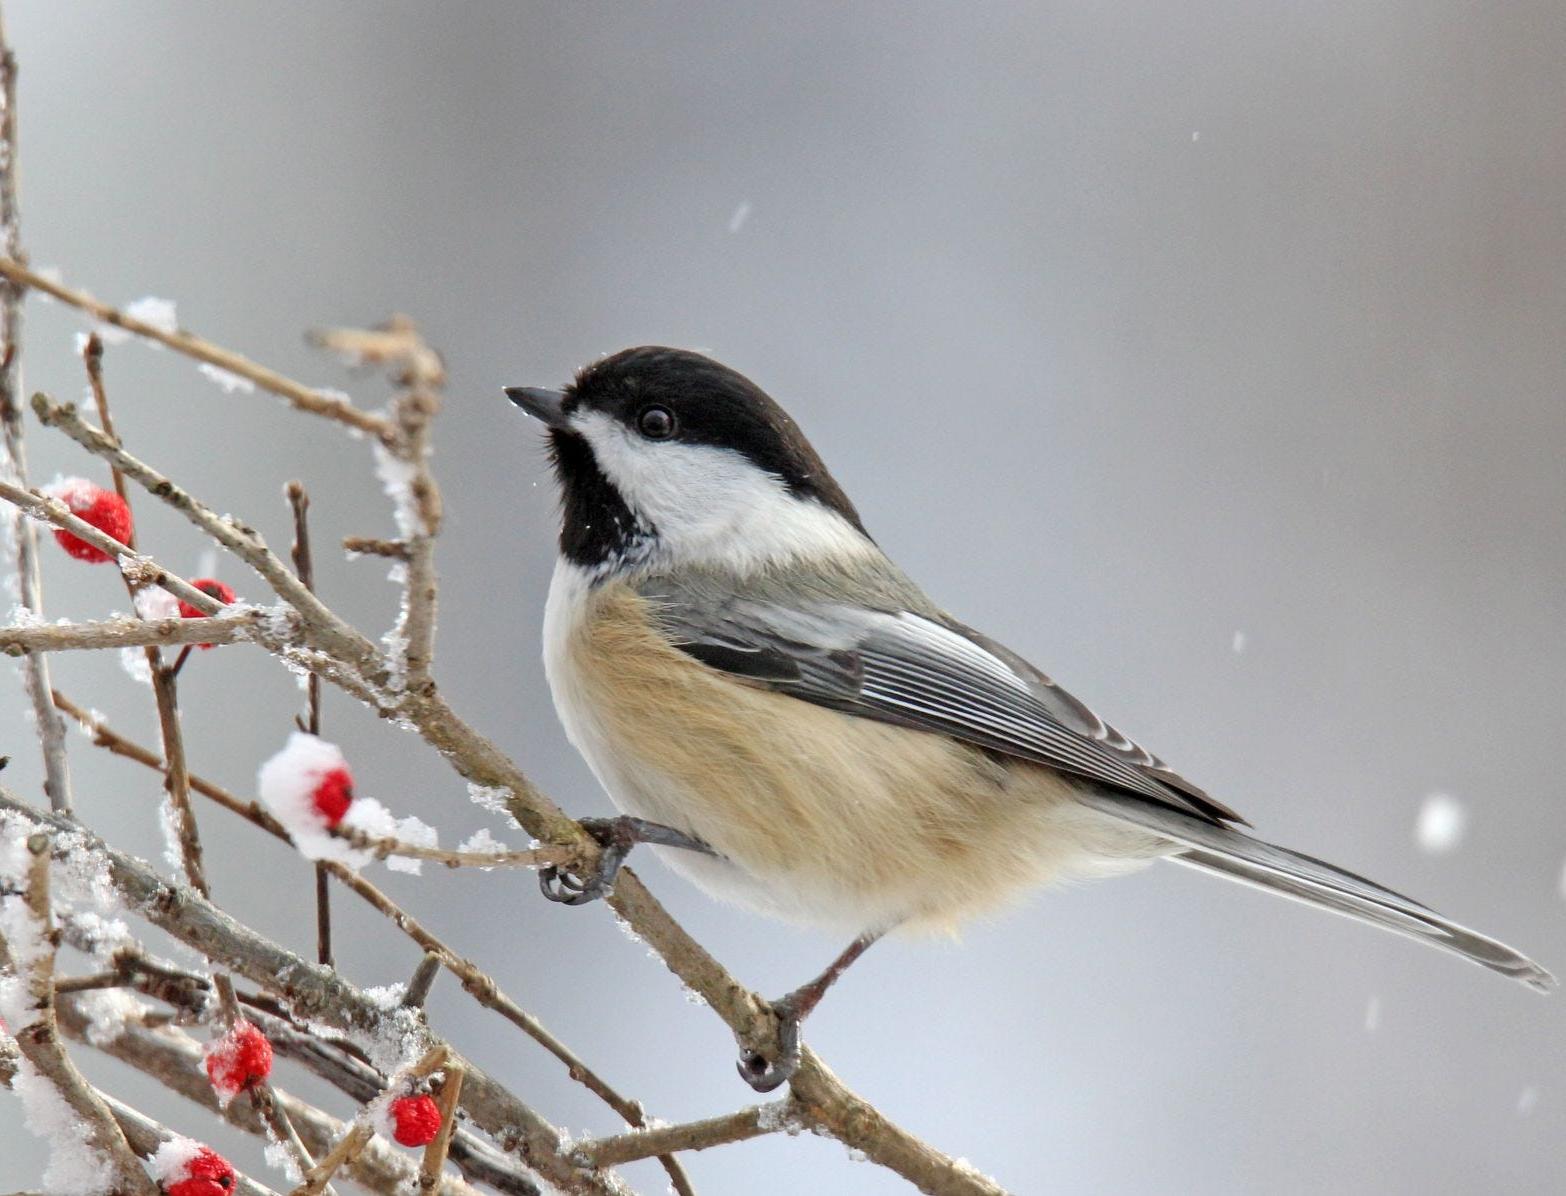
(917, 671)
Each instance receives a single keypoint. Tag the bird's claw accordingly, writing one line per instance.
(763, 1074)
(561, 884)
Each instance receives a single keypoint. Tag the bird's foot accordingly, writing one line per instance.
(616, 837)
(764, 1074)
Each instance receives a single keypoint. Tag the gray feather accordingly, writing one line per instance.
(1228, 853)
(869, 643)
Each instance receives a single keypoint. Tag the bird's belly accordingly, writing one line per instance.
(820, 817)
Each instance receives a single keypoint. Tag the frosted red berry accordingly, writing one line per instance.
(206, 1174)
(212, 588)
(332, 795)
(239, 1060)
(415, 1120)
(104, 509)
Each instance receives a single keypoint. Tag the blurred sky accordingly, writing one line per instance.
(1208, 354)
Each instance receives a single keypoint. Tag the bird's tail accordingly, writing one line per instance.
(1226, 852)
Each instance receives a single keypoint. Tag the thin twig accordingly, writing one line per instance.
(435, 1153)
(351, 1143)
(404, 465)
(371, 546)
(235, 624)
(321, 624)
(346, 1150)
(750, 1122)
(39, 1038)
(52, 510)
(381, 848)
(423, 979)
(13, 459)
(304, 398)
(304, 567)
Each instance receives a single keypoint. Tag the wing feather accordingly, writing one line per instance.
(917, 671)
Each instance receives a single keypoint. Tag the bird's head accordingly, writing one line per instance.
(666, 458)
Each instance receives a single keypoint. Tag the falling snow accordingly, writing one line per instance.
(1372, 1015)
(1237, 644)
(741, 214)
(1441, 823)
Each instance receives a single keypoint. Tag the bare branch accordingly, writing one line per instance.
(370, 546)
(474, 980)
(404, 466)
(303, 397)
(174, 1059)
(320, 994)
(236, 624)
(142, 1133)
(13, 458)
(320, 624)
(304, 566)
(435, 1153)
(52, 510)
(357, 1137)
(750, 1122)
(537, 857)
(146, 1135)
(39, 1038)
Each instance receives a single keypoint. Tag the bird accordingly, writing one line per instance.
(793, 725)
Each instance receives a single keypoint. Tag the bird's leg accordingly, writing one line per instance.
(764, 1075)
(616, 837)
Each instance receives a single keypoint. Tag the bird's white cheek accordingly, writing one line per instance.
(712, 505)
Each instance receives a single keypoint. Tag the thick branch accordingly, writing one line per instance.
(321, 994)
(474, 980)
(143, 1134)
(300, 396)
(146, 1135)
(335, 1063)
(173, 1058)
(39, 1038)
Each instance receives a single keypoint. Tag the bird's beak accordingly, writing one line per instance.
(546, 406)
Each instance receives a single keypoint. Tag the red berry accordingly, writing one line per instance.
(241, 1059)
(415, 1120)
(332, 795)
(212, 588)
(206, 1174)
(104, 509)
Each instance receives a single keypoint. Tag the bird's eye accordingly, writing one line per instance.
(655, 423)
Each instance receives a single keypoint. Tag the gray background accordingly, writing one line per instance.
(1128, 327)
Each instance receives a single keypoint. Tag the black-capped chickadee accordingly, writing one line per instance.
(762, 690)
